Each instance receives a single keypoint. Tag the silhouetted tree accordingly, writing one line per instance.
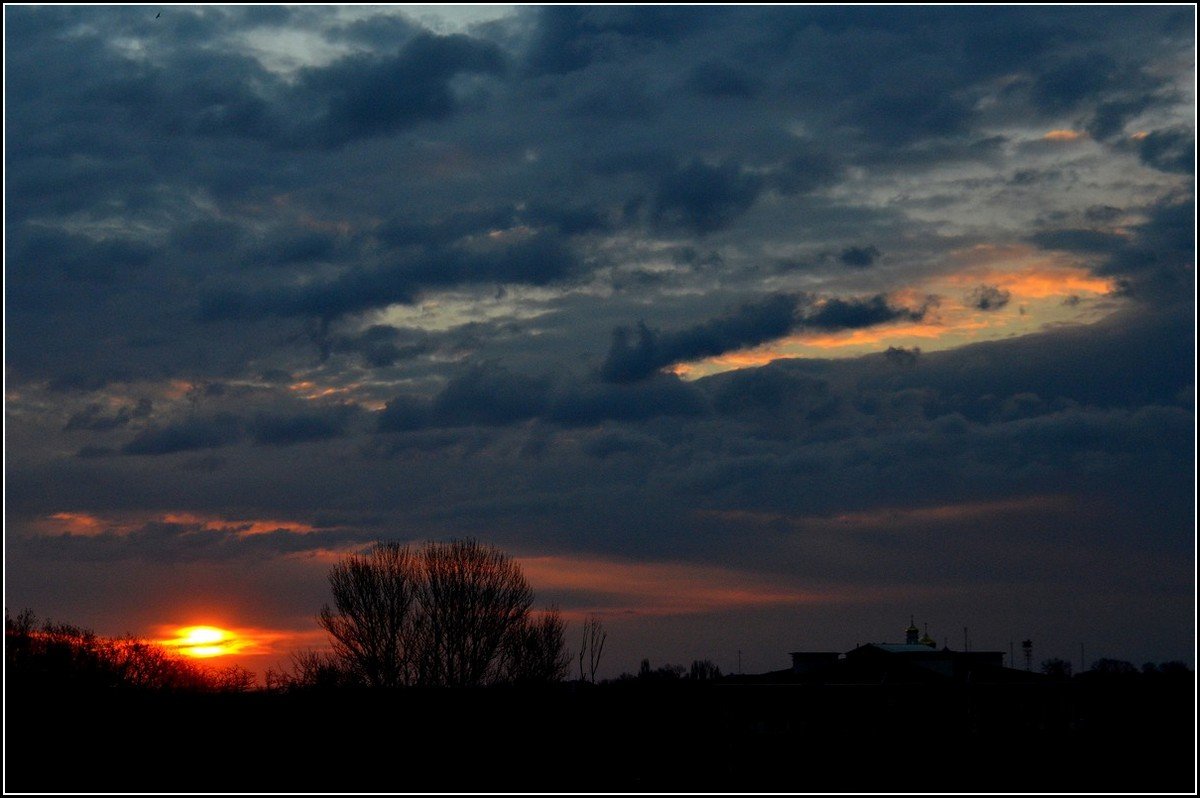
(473, 599)
(312, 669)
(451, 614)
(704, 671)
(1175, 667)
(1058, 668)
(592, 647)
(372, 625)
(1114, 667)
(663, 673)
(61, 655)
(538, 652)
(670, 672)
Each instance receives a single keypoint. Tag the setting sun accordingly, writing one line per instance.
(202, 642)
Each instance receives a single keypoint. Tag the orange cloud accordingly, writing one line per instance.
(79, 523)
(1064, 135)
(73, 523)
(242, 527)
(310, 390)
(668, 588)
(1026, 271)
(964, 511)
(895, 516)
(877, 335)
(177, 389)
(1037, 281)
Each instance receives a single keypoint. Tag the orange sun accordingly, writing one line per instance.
(202, 642)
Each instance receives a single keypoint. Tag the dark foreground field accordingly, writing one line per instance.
(1061, 737)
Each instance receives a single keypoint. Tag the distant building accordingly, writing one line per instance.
(915, 661)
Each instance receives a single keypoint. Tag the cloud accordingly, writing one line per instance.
(859, 257)
(360, 96)
(1170, 150)
(93, 418)
(844, 314)
(902, 357)
(403, 255)
(988, 297)
(381, 345)
(538, 260)
(659, 396)
(567, 39)
(752, 324)
(491, 396)
(1064, 87)
(704, 198)
(1079, 240)
(275, 430)
(184, 436)
(1155, 261)
(189, 540)
(720, 79)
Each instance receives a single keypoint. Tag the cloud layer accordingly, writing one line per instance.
(892, 307)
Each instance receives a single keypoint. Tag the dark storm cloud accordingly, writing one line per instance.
(988, 297)
(704, 198)
(753, 324)
(569, 38)
(381, 346)
(1067, 85)
(721, 79)
(773, 389)
(859, 257)
(208, 93)
(276, 423)
(363, 96)
(899, 356)
(486, 396)
(273, 430)
(196, 433)
(492, 396)
(1155, 264)
(1171, 150)
(853, 314)
(590, 403)
(93, 417)
(1109, 118)
(539, 260)
(1079, 240)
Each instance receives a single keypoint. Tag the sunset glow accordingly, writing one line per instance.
(203, 642)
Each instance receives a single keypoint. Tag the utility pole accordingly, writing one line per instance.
(739, 661)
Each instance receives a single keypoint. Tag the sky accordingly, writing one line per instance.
(748, 329)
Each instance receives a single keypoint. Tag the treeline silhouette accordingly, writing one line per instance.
(58, 655)
(440, 677)
(456, 614)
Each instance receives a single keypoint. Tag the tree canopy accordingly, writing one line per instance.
(448, 614)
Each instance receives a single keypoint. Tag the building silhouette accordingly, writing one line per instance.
(915, 661)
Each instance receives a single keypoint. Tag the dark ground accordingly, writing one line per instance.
(1134, 736)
